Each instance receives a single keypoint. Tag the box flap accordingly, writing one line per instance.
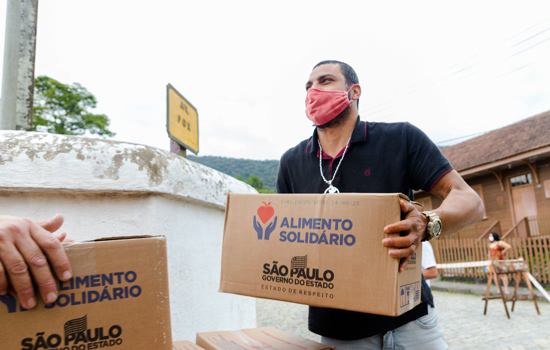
(117, 238)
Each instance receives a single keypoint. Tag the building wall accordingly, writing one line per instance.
(107, 188)
(542, 192)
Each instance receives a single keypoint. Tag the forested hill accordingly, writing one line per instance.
(243, 168)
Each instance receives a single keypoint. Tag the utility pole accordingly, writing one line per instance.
(16, 105)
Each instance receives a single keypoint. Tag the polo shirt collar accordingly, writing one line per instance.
(359, 134)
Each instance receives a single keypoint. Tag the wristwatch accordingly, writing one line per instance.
(434, 225)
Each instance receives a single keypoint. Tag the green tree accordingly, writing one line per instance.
(64, 109)
(255, 182)
(242, 169)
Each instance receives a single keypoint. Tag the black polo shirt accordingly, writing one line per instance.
(381, 158)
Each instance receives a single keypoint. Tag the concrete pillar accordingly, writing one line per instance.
(16, 105)
(107, 188)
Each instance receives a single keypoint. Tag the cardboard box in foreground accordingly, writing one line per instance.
(317, 249)
(257, 338)
(117, 299)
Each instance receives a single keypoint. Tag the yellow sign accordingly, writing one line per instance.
(182, 120)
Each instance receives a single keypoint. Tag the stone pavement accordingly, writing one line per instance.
(461, 317)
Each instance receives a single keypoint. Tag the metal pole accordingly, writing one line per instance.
(177, 149)
(16, 105)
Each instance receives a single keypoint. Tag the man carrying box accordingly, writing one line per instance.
(346, 154)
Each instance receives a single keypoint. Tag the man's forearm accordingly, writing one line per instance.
(461, 206)
(430, 273)
(460, 210)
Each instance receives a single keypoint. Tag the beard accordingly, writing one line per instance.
(337, 121)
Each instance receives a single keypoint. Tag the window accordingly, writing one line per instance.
(521, 180)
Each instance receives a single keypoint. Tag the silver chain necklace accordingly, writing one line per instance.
(330, 189)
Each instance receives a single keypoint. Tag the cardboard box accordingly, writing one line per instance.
(185, 345)
(257, 338)
(117, 299)
(318, 249)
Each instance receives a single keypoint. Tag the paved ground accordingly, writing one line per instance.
(461, 316)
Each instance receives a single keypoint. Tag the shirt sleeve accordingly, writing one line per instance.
(283, 185)
(428, 258)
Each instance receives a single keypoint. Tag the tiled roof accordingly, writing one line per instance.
(523, 136)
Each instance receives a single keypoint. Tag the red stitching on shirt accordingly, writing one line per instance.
(439, 178)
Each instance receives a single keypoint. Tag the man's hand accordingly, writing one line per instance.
(28, 245)
(461, 207)
(414, 225)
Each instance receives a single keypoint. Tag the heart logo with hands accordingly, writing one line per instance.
(265, 213)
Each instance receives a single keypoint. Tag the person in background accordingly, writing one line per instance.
(497, 251)
(346, 154)
(429, 268)
(29, 252)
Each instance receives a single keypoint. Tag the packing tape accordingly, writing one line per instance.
(73, 242)
(246, 339)
(85, 254)
(411, 301)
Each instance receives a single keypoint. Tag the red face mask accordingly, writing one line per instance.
(324, 105)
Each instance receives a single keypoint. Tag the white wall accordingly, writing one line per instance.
(108, 188)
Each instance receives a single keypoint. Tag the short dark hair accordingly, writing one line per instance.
(495, 236)
(347, 71)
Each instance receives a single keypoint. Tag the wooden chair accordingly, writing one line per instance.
(509, 267)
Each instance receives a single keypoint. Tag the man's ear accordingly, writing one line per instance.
(355, 92)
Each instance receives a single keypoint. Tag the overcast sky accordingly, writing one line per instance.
(451, 68)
